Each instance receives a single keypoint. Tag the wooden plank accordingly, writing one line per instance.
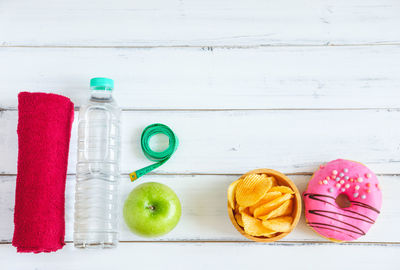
(194, 78)
(204, 216)
(233, 142)
(204, 23)
(203, 256)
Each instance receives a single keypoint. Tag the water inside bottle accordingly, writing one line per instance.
(97, 175)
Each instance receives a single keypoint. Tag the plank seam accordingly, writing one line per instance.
(278, 243)
(390, 109)
(203, 47)
(211, 174)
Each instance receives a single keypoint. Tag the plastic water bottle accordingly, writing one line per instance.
(97, 172)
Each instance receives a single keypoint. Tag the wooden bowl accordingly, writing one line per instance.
(282, 180)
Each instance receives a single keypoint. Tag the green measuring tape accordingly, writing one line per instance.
(159, 157)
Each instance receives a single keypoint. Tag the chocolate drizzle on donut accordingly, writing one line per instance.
(315, 196)
(357, 230)
(324, 213)
(365, 206)
(317, 212)
(337, 227)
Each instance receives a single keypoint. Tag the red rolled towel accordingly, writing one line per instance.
(44, 130)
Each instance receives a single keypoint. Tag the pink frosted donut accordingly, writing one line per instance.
(361, 187)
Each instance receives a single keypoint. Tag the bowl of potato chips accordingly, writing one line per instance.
(264, 205)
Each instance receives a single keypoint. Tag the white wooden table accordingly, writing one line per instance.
(245, 84)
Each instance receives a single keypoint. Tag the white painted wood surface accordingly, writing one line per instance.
(205, 216)
(233, 142)
(183, 256)
(210, 256)
(192, 22)
(199, 78)
(245, 84)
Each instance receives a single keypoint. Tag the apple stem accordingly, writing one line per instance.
(151, 207)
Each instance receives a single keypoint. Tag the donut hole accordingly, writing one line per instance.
(343, 201)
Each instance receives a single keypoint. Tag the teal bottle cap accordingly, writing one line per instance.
(100, 83)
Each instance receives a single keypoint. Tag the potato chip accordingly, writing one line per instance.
(287, 211)
(261, 206)
(251, 189)
(283, 210)
(239, 220)
(231, 193)
(282, 189)
(254, 226)
(279, 224)
(242, 209)
(268, 207)
(274, 183)
(267, 198)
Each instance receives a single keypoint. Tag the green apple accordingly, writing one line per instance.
(152, 209)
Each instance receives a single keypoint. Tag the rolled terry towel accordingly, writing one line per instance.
(44, 130)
